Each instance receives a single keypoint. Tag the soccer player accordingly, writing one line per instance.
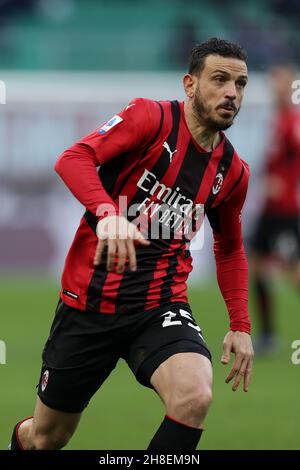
(277, 234)
(162, 166)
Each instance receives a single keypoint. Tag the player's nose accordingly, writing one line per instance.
(230, 91)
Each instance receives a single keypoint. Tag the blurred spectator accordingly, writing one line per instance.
(184, 38)
(263, 48)
(288, 8)
(277, 235)
(31, 29)
(11, 7)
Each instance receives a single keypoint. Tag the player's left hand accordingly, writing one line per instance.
(240, 344)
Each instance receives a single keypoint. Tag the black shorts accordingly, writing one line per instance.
(278, 235)
(84, 347)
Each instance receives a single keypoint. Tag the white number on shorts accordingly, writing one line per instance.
(169, 320)
(187, 315)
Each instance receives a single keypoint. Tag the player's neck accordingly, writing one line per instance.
(206, 138)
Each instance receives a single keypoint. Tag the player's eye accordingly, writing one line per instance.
(220, 79)
(241, 83)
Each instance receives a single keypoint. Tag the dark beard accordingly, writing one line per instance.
(202, 114)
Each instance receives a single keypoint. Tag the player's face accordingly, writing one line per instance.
(281, 80)
(219, 91)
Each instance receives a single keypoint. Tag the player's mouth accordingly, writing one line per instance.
(228, 109)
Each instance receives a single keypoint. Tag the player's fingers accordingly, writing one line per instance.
(122, 253)
(99, 250)
(248, 374)
(231, 374)
(111, 254)
(226, 352)
(131, 255)
(240, 374)
(235, 368)
(143, 242)
(140, 240)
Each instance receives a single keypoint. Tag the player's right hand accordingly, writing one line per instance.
(120, 236)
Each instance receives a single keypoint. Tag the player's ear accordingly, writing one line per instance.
(189, 85)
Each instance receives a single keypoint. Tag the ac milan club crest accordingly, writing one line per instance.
(44, 380)
(217, 183)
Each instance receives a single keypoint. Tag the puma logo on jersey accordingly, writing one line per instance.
(166, 146)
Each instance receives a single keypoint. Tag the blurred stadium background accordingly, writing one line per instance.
(69, 65)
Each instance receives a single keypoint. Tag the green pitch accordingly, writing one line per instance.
(123, 414)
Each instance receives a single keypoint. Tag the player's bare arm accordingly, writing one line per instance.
(239, 343)
(120, 236)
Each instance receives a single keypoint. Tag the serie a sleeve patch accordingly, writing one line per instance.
(110, 124)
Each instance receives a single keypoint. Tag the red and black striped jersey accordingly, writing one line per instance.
(282, 169)
(152, 170)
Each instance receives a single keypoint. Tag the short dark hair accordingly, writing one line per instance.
(214, 46)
